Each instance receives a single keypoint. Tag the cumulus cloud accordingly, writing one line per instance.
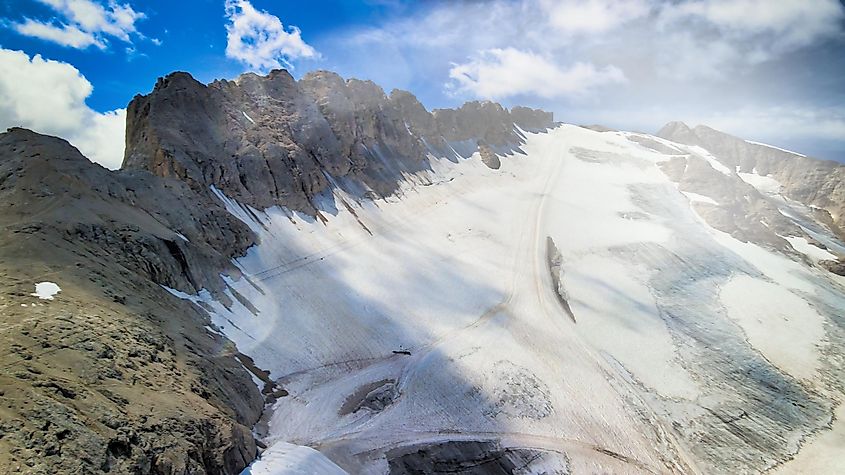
(679, 40)
(83, 23)
(259, 40)
(49, 97)
(498, 73)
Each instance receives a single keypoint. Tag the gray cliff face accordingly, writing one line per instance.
(814, 182)
(116, 375)
(260, 140)
(272, 140)
(487, 121)
(376, 141)
(134, 214)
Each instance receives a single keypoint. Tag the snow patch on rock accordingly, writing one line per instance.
(765, 184)
(697, 198)
(46, 290)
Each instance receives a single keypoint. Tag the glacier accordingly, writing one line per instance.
(570, 311)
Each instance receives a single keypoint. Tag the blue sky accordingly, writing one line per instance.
(192, 35)
(764, 70)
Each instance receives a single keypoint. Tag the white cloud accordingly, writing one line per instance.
(49, 97)
(756, 30)
(65, 35)
(790, 22)
(260, 40)
(103, 141)
(680, 59)
(680, 55)
(83, 23)
(499, 73)
(591, 16)
(678, 40)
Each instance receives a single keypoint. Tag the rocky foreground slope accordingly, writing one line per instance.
(108, 376)
(114, 374)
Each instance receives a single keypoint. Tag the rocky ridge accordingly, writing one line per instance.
(814, 182)
(271, 140)
(749, 190)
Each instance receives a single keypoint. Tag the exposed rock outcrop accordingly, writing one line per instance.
(814, 182)
(273, 140)
(470, 457)
(259, 139)
(741, 210)
(531, 119)
(837, 267)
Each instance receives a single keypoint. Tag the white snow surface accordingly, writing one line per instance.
(779, 323)
(824, 454)
(765, 184)
(248, 117)
(803, 246)
(697, 198)
(46, 290)
(454, 269)
(289, 459)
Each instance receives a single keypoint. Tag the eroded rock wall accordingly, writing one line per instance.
(272, 140)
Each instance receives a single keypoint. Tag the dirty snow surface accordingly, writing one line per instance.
(567, 313)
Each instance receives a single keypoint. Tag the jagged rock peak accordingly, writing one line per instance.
(272, 140)
(679, 132)
(675, 125)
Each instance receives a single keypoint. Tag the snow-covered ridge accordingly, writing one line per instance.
(776, 148)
